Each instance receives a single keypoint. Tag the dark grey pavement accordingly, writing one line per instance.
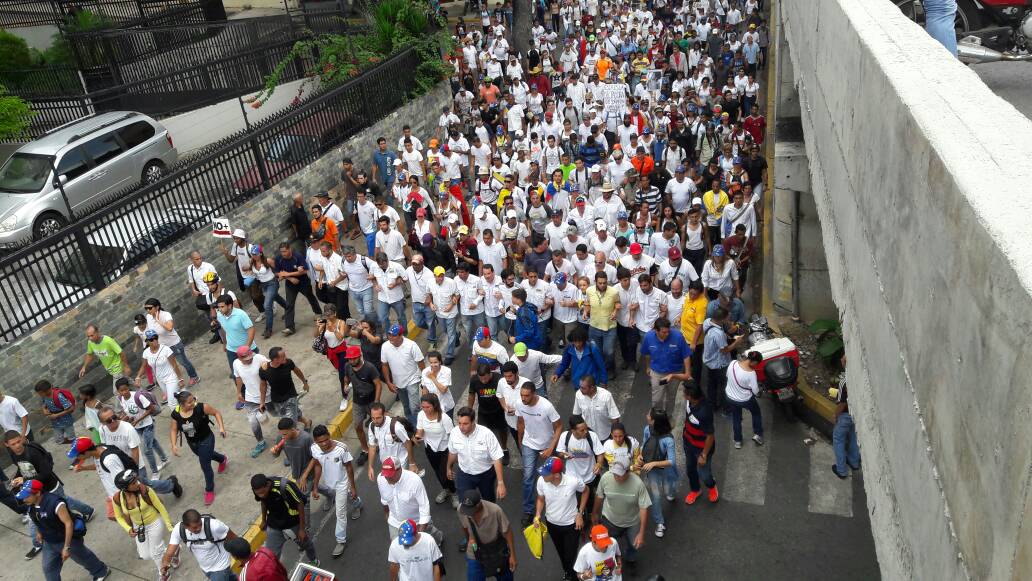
(1010, 80)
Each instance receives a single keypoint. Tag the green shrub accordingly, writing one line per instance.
(14, 115)
(14, 52)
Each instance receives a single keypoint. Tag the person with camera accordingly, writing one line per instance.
(716, 355)
(141, 514)
(490, 551)
(61, 532)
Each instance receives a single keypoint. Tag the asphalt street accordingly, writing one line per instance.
(1009, 80)
(782, 514)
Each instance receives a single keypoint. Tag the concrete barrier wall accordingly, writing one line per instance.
(55, 350)
(921, 178)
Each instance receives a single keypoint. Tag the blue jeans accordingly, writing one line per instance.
(531, 461)
(475, 572)
(844, 441)
(179, 351)
(409, 396)
(73, 503)
(150, 445)
(79, 553)
(384, 312)
(363, 303)
(659, 488)
(485, 482)
(736, 417)
(160, 486)
(448, 327)
(370, 240)
(470, 324)
(939, 22)
(496, 325)
(425, 319)
(607, 341)
(206, 454)
(223, 575)
(696, 472)
(270, 290)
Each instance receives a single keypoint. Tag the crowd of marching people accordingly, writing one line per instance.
(585, 210)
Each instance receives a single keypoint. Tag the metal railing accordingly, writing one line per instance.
(44, 279)
(19, 13)
(121, 13)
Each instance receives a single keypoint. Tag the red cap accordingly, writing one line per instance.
(600, 536)
(674, 253)
(635, 248)
(243, 351)
(390, 466)
(353, 352)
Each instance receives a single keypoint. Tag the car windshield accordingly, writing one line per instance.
(25, 173)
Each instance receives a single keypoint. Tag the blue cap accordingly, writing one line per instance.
(621, 215)
(150, 334)
(560, 278)
(30, 487)
(482, 333)
(680, 169)
(737, 160)
(718, 250)
(407, 533)
(500, 131)
(553, 465)
(394, 331)
(646, 131)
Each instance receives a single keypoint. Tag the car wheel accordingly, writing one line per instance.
(152, 172)
(47, 225)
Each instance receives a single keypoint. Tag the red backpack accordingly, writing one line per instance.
(61, 391)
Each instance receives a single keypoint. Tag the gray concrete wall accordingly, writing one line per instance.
(920, 176)
(55, 350)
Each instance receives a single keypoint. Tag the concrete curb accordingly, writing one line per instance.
(338, 427)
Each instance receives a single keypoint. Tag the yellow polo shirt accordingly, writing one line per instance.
(602, 307)
(692, 316)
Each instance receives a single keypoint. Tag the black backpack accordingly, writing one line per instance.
(591, 446)
(127, 461)
(405, 423)
(208, 537)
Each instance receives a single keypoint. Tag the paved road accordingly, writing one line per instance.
(1010, 81)
(781, 507)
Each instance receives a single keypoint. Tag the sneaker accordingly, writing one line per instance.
(32, 553)
(258, 449)
(266, 333)
(356, 509)
(104, 576)
(214, 339)
(670, 498)
(441, 497)
(209, 497)
(343, 404)
(454, 501)
(288, 332)
(422, 472)
(692, 497)
(836, 472)
(527, 520)
(160, 467)
(239, 405)
(194, 381)
(758, 439)
(853, 468)
(25, 519)
(286, 461)
(714, 495)
(660, 530)
(738, 445)
(438, 536)
(363, 457)
(89, 516)
(259, 318)
(315, 562)
(338, 550)
(177, 489)
(150, 387)
(223, 465)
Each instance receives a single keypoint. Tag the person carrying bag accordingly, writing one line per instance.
(480, 519)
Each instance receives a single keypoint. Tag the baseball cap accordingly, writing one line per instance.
(470, 501)
(243, 351)
(600, 536)
(255, 249)
(679, 169)
(553, 465)
(438, 270)
(511, 214)
(394, 331)
(421, 212)
(428, 239)
(560, 278)
(482, 171)
(30, 487)
(482, 333)
(353, 352)
(239, 233)
(464, 229)
(621, 215)
(571, 229)
(520, 349)
(600, 225)
(595, 169)
(390, 466)
(674, 253)
(646, 131)
(581, 201)
(718, 250)
(453, 218)
(635, 248)
(696, 201)
(608, 187)
(150, 334)
(619, 467)
(79, 446)
(407, 533)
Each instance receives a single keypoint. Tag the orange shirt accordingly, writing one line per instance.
(643, 165)
(603, 66)
(331, 231)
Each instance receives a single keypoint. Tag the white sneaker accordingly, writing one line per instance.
(161, 466)
(422, 472)
(343, 404)
(454, 501)
(758, 439)
(738, 445)
(259, 318)
(660, 530)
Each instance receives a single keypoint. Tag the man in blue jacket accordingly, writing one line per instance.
(668, 360)
(527, 330)
(582, 358)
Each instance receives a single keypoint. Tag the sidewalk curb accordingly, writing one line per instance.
(338, 427)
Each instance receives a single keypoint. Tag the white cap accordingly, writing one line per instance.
(397, 162)
(600, 225)
(239, 233)
(696, 201)
(453, 218)
(511, 214)
(481, 212)
(595, 169)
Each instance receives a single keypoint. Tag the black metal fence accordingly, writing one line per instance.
(44, 279)
(120, 13)
(18, 13)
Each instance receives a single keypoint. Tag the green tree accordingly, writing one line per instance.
(15, 115)
(14, 52)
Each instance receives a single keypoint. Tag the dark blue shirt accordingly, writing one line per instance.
(44, 514)
(385, 165)
(666, 356)
(292, 264)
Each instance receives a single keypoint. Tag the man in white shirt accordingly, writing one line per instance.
(494, 300)
(530, 362)
(415, 557)
(358, 271)
(567, 306)
(389, 284)
(332, 464)
(420, 280)
(13, 415)
(252, 391)
(204, 537)
(537, 433)
(471, 300)
(403, 497)
(637, 262)
(443, 301)
(675, 267)
(475, 457)
(650, 304)
(402, 363)
(388, 437)
(391, 242)
(491, 252)
(597, 407)
(195, 279)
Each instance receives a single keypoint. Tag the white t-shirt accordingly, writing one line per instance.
(248, 374)
(158, 361)
(386, 277)
(493, 254)
(131, 409)
(11, 413)
(405, 499)
(332, 462)
(391, 243)
(442, 296)
(195, 276)
(582, 452)
(107, 477)
(476, 452)
(403, 361)
(741, 384)
(419, 283)
(358, 272)
(561, 499)
(602, 565)
(444, 377)
(210, 556)
(538, 420)
(412, 161)
(366, 216)
(435, 432)
(627, 452)
(531, 366)
(124, 437)
(648, 308)
(415, 563)
(494, 354)
(598, 411)
(387, 443)
(165, 337)
(510, 394)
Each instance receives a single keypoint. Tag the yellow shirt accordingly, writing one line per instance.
(715, 203)
(692, 316)
(144, 513)
(602, 307)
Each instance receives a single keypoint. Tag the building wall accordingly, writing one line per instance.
(920, 177)
(55, 350)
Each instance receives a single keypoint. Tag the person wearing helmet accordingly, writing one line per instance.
(214, 290)
(141, 514)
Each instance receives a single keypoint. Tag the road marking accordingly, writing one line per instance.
(828, 493)
(745, 479)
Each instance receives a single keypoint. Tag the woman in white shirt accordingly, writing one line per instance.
(432, 428)
(720, 275)
(436, 379)
(620, 446)
(741, 391)
(162, 361)
(267, 283)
